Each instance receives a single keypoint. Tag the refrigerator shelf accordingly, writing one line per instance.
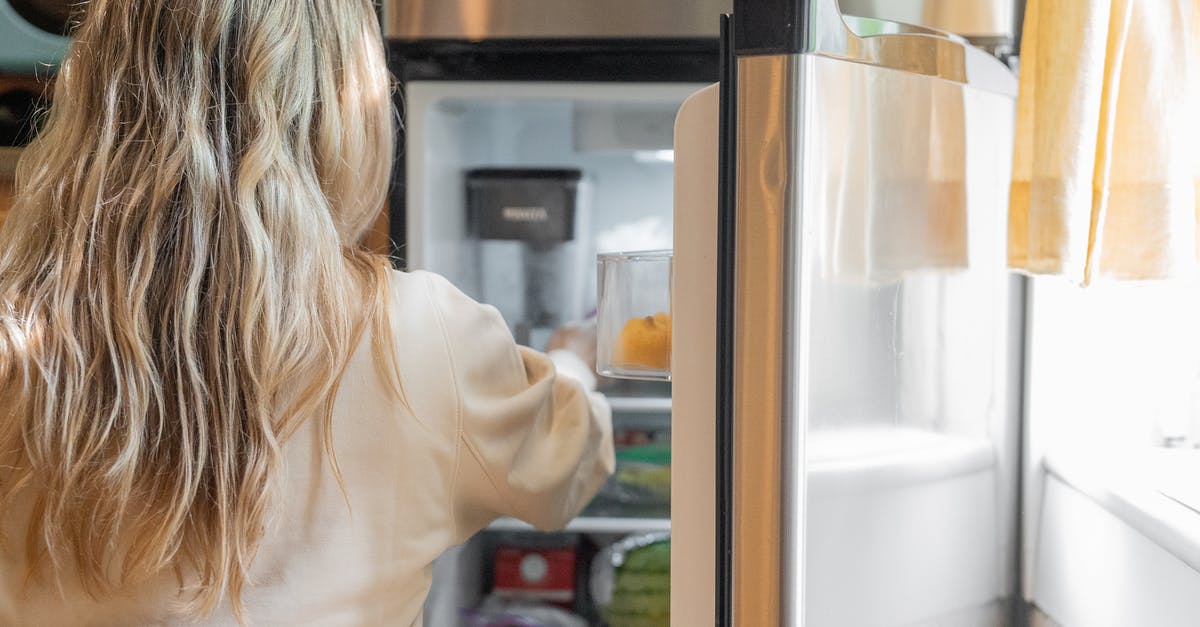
(588, 524)
(640, 404)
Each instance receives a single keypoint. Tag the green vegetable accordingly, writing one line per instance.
(642, 595)
(657, 454)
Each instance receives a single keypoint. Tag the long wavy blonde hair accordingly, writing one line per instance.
(181, 283)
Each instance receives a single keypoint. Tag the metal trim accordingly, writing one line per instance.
(525, 19)
(768, 450)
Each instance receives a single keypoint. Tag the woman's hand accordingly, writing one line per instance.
(578, 338)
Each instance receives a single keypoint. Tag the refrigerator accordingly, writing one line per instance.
(850, 179)
(843, 410)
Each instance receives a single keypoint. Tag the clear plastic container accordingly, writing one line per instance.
(634, 315)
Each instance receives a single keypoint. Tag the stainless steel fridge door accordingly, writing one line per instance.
(871, 422)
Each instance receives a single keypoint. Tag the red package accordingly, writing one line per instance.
(542, 574)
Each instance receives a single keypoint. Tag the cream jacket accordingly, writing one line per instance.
(492, 432)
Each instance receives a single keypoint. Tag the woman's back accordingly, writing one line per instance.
(213, 402)
(491, 432)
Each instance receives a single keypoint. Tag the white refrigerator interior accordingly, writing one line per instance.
(620, 139)
(618, 135)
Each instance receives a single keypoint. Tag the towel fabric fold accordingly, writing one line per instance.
(1106, 167)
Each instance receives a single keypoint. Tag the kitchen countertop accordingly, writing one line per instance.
(1154, 490)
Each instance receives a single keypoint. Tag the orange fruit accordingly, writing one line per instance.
(645, 343)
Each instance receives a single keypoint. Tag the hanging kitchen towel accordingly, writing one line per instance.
(1105, 172)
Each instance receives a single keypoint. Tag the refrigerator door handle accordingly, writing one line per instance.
(819, 27)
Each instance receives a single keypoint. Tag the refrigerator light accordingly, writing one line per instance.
(654, 156)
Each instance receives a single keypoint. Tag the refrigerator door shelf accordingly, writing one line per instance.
(633, 319)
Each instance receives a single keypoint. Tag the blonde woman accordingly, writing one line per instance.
(215, 407)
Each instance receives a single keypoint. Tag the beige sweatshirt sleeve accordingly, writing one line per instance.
(531, 445)
(8, 615)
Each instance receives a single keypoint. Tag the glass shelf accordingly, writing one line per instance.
(592, 524)
(640, 404)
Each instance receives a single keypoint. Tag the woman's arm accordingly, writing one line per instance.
(532, 444)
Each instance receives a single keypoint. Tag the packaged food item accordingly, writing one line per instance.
(548, 569)
(624, 438)
(534, 573)
(641, 485)
(631, 581)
